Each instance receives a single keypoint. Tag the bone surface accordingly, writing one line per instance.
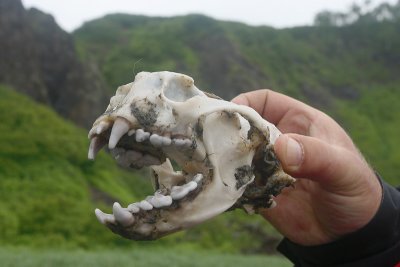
(224, 151)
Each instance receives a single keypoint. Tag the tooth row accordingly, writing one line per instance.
(125, 216)
(121, 127)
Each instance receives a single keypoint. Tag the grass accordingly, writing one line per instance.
(11, 257)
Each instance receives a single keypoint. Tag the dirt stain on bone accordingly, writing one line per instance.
(145, 112)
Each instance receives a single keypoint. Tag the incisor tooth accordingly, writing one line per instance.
(104, 218)
(120, 127)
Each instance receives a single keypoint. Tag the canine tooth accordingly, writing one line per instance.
(159, 200)
(103, 126)
(104, 218)
(141, 135)
(178, 192)
(134, 208)
(96, 144)
(120, 128)
(122, 215)
(145, 205)
(131, 132)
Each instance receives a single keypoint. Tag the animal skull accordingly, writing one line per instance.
(225, 152)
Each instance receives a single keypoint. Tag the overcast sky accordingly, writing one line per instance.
(277, 13)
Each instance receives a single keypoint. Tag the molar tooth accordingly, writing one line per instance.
(156, 140)
(134, 208)
(166, 141)
(145, 205)
(159, 200)
(96, 144)
(183, 142)
(120, 128)
(178, 192)
(198, 177)
(104, 218)
(141, 135)
(192, 185)
(122, 215)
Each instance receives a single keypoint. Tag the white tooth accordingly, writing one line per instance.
(141, 135)
(103, 126)
(198, 177)
(159, 200)
(131, 132)
(156, 140)
(134, 208)
(149, 160)
(104, 218)
(183, 142)
(120, 128)
(92, 132)
(166, 141)
(123, 216)
(145, 205)
(178, 192)
(96, 144)
(192, 185)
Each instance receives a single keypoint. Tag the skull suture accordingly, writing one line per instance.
(225, 152)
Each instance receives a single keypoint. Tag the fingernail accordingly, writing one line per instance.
(294, 153)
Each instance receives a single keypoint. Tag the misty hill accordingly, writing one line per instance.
(39, 59)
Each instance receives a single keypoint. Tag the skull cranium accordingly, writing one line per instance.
(225, 152)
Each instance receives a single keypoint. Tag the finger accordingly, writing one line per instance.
(308, 157)
(273, 106)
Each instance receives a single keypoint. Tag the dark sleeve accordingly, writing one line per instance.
(376, 244)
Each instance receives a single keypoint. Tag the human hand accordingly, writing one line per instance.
(337, 192)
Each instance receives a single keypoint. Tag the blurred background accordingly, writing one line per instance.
(341, 57)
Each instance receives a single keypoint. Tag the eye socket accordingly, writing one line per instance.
(180, 90)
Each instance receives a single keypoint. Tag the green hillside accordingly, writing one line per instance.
(48, 187)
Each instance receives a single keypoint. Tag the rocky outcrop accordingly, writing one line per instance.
(39, 59)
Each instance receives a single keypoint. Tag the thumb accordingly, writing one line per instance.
(311, 158)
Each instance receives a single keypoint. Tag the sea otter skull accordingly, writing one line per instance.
(225, 152)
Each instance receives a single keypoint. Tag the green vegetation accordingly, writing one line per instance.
(137, 257)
